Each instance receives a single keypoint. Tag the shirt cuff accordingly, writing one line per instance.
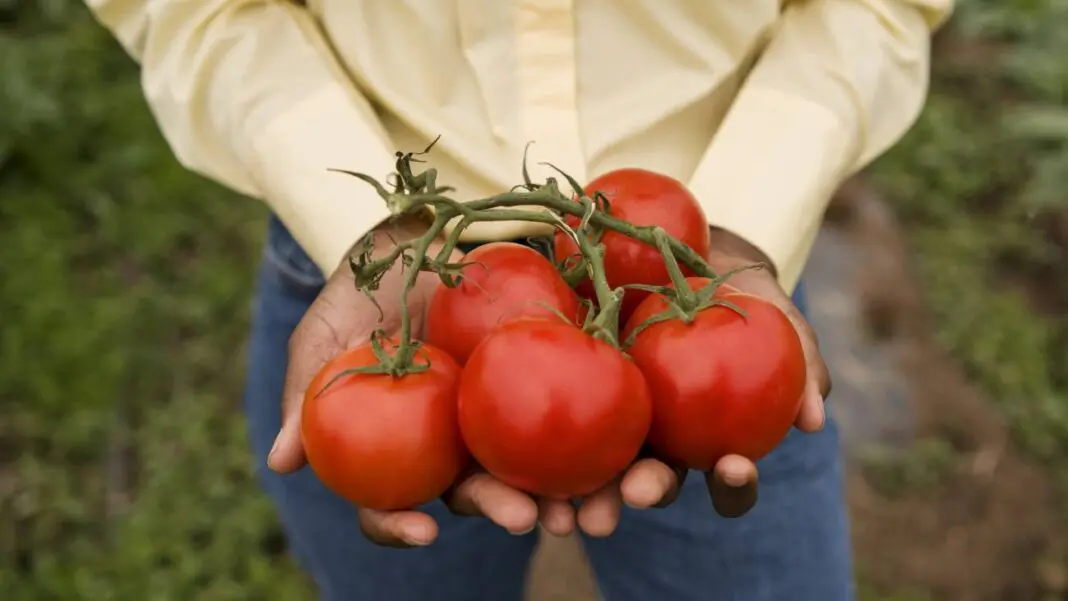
(770, 172)
(326, 211)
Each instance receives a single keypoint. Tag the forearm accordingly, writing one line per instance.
(248, 93)
(730, 251)
(839, 83)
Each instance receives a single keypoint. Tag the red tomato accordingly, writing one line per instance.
(383, 442)
(504, 281)
(643, 198)
(722, 384)
(548, 409)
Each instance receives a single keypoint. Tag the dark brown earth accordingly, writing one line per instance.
(976, 522)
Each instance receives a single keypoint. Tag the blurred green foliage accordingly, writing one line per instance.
(124, 472)
(123, 465)
(982, 185)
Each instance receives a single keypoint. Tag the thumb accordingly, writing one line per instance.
(340, 318)
(313, 343)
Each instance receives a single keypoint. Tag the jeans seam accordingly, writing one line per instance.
(288, 260)
(289, 272)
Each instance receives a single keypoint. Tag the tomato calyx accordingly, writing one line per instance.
(394, 364)
(682, 301)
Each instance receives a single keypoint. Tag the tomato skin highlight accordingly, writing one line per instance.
(640, 197)
(722, 384)
(547, 408)
(382, 442)
(505, 281)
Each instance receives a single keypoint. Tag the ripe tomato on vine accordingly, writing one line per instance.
(384, 442)
(499, 282)
(551, 410)
(729, 381)
(639, 197)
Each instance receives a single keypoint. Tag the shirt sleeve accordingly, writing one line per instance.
(839, 82)
(248, 93)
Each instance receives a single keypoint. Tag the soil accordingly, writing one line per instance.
(987, 525)
(992, 526)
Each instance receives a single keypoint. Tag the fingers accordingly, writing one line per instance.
(556, 517)
(648, 483)
(816, 367)
(813, 415)
(482, 494)
(287, 455)
(651, 483)
(599, 513)
(733, 486)
(479, 494)
(399, 529)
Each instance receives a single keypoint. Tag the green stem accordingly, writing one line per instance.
(452, 240)
(606, 325)
(685, 297)
(402, 358)
(550, 197)
(413, 193)
(574, 275)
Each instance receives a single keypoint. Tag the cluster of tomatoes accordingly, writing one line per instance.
(514, 384)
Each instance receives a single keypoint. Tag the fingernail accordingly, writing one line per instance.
(823, 413)
(274, 447)
(417, 537)
(647, 493)
(735, 479)
(523, 532)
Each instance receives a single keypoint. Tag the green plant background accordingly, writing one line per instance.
(125, 288)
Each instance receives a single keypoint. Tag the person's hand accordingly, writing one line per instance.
(733, 483)
(343, 317)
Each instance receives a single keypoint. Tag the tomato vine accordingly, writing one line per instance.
(409, 193)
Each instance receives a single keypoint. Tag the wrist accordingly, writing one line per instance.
(729, 250)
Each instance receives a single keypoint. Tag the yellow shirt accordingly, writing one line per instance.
(761, 106)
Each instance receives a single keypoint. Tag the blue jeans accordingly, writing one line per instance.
(793, 546)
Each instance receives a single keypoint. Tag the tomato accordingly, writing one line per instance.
(547, 408)
(383, 442)
(503, 281)
(722, 384)
(640, 197)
